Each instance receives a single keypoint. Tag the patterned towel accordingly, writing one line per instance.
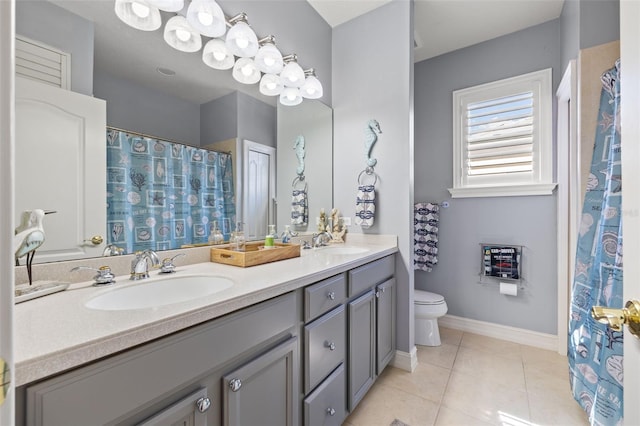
(299, 207)
(365, 205)
(426, 221)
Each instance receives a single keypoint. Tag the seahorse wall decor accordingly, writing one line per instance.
(298, 147)
(370, 138)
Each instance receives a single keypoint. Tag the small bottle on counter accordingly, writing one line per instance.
(269, 239)
(216, 236)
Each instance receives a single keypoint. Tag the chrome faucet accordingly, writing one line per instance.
(321, 239)
(141, 263)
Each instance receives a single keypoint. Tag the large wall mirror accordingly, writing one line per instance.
(152, 89)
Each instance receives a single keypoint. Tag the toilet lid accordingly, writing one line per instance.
(422, 297)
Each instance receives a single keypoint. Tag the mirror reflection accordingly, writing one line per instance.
(227, 117)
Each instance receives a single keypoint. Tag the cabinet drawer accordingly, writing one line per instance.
(366, 276)
(324, 296)
(326, 405)
(325, 341)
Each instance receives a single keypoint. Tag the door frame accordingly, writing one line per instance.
(248, 146)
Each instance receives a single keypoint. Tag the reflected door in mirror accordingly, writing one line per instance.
(259, 189)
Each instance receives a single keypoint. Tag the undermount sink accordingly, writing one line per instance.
(344, 250)
(159, 292)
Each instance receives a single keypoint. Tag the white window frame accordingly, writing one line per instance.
(537, 182)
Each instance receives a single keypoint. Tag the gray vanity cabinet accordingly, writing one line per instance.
(362, 355)
(386, 323)
(186, 378)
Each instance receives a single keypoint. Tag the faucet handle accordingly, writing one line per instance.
(104, 275)
(167, 266)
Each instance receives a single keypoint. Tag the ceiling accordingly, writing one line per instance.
(443, 26)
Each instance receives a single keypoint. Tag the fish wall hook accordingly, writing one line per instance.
(371, 133)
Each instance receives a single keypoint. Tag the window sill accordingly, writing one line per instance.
(503, 191)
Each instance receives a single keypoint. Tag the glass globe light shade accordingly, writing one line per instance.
(216, 55)
(242, 41)
(312, 88)
(290, 96)
(292, 75)
(206, 17)
(271, 85)
(269, 59)
(167, 5)
(181, 36)
(138, 14)
(245, 71)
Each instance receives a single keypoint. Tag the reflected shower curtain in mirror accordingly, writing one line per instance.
(162, 195)
(595, 351)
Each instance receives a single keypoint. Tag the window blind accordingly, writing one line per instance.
(499, 135)
(42, 63)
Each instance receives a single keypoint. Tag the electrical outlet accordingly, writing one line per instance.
(346, 220)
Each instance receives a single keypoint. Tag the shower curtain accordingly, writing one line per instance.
(162, 195)
(595, 351)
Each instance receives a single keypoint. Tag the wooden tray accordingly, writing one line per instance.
(254, 254)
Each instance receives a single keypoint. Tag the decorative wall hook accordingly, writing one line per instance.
(299, 148)
(371, 137)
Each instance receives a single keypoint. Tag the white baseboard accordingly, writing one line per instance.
(511, 334)
(407, 361)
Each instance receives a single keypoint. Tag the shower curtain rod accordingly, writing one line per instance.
(144, 135)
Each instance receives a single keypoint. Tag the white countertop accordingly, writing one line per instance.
(57, 332)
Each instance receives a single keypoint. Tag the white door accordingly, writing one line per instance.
(630, 136)
(259, 189)
(60, 158)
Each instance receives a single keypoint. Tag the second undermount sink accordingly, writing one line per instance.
(159, 292)
(344, 250)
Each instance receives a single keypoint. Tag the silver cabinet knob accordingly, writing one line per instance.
(235, 385)
(330, 345)
(331, 411)
(203, 404)
(331, 295)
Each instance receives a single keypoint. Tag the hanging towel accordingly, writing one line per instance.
(426, 222)
(365, 205)
(299, 207)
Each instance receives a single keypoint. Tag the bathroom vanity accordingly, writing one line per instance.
(293, 342)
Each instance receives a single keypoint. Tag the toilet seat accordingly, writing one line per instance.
(422, 297)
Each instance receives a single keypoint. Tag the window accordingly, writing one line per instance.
(42, 63)
(502, 138)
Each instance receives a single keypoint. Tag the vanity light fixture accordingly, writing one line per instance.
(312, 88)
(180, 35)
(292, 73)
(241, 40)
(271, 85)
(216, 55)
(290, 96)
(207, 17)
(245, 71)
(138, 14)
(167, 5)
(269, 59)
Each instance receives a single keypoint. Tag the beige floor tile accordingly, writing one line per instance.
(449, 417)
(427, 381)
(552, 409)
(485, 400)
(492, 345)
(442, 356)
(491, 368)
(450, 336)
(383, 404)
(539, 379)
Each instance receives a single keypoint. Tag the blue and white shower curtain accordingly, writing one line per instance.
(595, 351)
(162, 195)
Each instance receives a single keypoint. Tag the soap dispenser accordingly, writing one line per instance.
(269, 239)
(216, 236)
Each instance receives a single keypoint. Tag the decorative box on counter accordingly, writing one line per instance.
(254, 253)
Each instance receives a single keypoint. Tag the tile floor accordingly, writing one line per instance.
(473, 380)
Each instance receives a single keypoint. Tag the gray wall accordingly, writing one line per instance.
(528, 221)
(373, 78)
(139, 109)
(588, 23)
(219, 119)
(256, 120)
(52, 25)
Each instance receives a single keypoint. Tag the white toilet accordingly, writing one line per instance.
(428, 308)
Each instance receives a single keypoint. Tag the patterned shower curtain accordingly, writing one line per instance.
(162, 195)
(595, 351)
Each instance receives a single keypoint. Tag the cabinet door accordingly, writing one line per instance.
(385, 312)
(362, 364)
(190, 411)
(265, 390)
